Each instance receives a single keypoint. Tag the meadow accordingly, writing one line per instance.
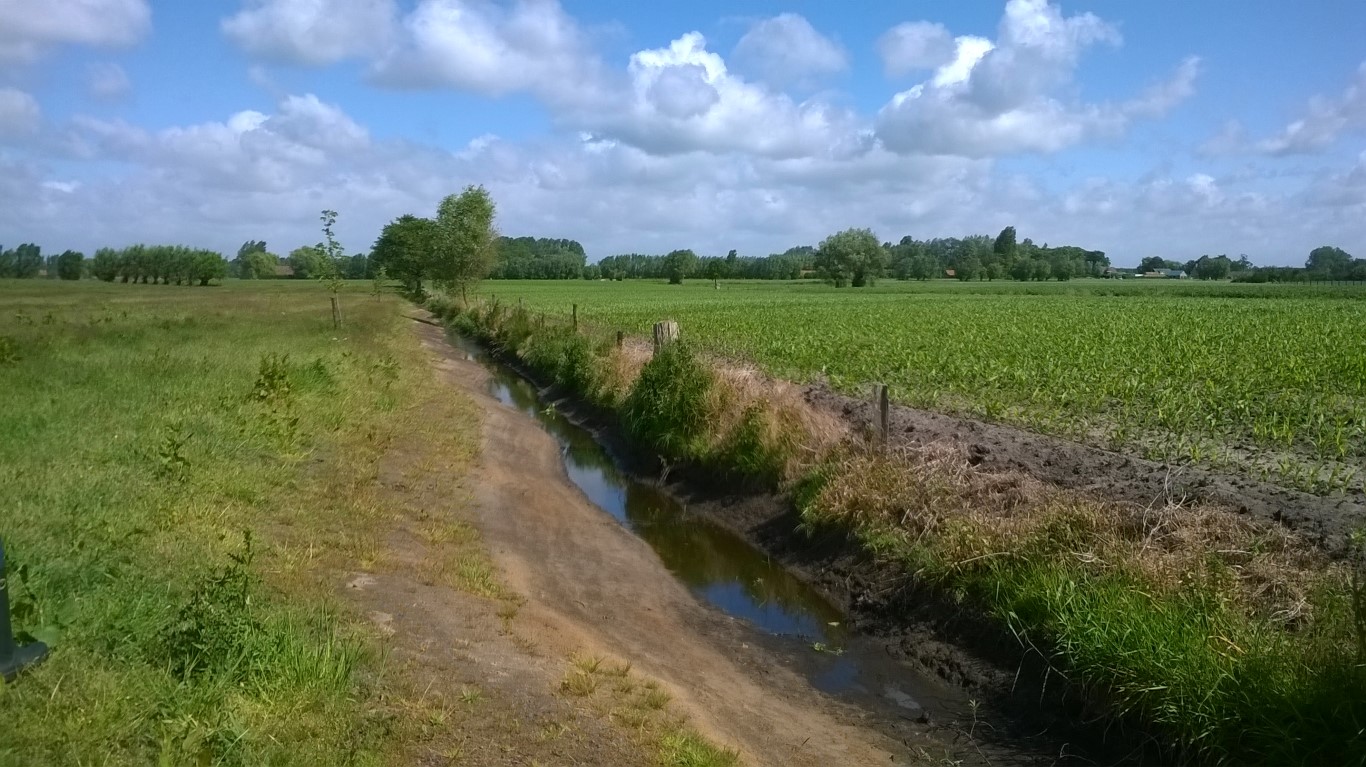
(183, 470)
(1263, 379)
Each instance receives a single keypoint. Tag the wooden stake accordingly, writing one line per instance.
(665, 333)
(575, 315)
(336, 313)
(884, 412)
(621, 338)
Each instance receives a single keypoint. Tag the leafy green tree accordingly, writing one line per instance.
(204, 265)
(70, 265)
(404, 250)
(308, 262)
(27, 262)
(853, 257)
(679, 264)
(241, 266)
(105, 264)
(1040, 269)
(1061, 269)
(1211, 268)
(465, 240)
(1328, 262)
(332, 267)
(1005, 247)
(1156, 264)
(969, 268)
(258, 265)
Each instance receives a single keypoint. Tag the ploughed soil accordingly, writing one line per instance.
(1325, 520)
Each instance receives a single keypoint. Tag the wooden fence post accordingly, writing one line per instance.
(884, 412)
(336, 313)
(575, 315)
(665, 333)
(621, 338)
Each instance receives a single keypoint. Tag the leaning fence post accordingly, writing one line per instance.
(884, 412)
(13, 658)
(665, 333)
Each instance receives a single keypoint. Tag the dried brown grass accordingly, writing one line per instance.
(933, 494)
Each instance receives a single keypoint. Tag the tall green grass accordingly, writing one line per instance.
(156, 450)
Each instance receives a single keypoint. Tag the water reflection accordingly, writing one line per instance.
(717, 565)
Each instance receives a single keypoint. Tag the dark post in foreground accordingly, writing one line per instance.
(336, 314)
(13, 658)
(880, 401)
(576, 318)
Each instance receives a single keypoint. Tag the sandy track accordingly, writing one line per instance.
(592, 585)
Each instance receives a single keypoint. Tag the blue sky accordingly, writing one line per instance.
(1161, 127)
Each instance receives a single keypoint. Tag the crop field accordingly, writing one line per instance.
(1269, 380)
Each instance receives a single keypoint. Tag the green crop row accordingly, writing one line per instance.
(1272, 382)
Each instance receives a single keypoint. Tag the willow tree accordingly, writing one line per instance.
(465, 240)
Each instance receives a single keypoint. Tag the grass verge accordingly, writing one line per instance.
(1231, 641)
(185, 473)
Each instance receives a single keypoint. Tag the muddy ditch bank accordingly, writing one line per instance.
(1326, 521)
(889, 635)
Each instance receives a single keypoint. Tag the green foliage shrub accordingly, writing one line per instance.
(669, 405)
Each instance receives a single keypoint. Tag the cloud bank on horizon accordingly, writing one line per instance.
(128, 120)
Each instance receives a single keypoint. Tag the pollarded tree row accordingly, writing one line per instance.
(159, 263)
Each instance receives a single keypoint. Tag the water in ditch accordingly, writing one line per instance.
(719, 567)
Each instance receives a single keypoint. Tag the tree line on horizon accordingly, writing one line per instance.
(855, 257)
(135, 263)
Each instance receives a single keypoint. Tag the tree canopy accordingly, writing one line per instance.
(465, 240)
(853, 257)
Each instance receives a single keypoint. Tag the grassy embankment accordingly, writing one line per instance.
(1231, 641)
(187, 474)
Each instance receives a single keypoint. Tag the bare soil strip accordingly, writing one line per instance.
(1325, 520)
(588, 586)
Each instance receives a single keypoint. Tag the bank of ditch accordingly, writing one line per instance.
(1225, 638)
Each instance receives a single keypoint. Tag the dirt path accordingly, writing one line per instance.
(591, 584)
(498, 575)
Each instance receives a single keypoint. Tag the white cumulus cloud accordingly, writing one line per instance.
(787, 50)
(30, 27)
(684, 98)
(1324, 122)
(107, 81)
(488, 48)
(20, 114)
(1007, 96)
(915, 45)
(312, 32)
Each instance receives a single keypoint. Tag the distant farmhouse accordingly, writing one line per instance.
(1166, 274)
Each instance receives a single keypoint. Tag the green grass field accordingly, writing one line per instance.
(1269, 379)
(147, 433)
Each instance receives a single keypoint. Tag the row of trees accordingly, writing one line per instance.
(452, 251)
(255, 262)
(158, 264)
(27, 262)
(537, 258)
